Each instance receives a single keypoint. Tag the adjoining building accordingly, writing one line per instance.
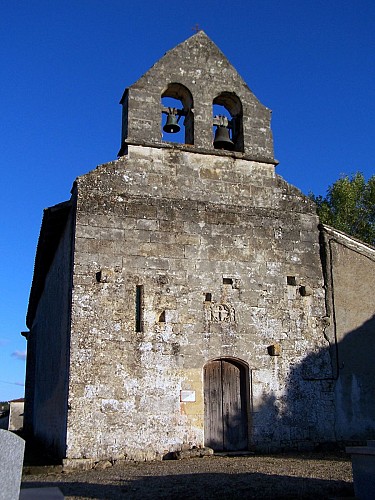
(11, 415)
(186, 295)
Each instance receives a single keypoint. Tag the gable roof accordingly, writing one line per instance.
(199, 53)
(349, 241)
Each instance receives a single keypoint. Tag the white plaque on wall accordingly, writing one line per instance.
(187, 396)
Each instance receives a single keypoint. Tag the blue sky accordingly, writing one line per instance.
(65, 64)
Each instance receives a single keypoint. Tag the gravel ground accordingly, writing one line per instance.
(291, 476)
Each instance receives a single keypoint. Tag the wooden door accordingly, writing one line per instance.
(225, 405)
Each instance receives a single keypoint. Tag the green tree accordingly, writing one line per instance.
(349, 206)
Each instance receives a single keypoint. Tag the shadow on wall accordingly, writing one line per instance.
(355, 386)
(328, 397)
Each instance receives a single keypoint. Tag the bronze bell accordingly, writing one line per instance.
(222, 139)
(171, 126)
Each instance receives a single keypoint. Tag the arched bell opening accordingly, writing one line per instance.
(177, 114)
(226, 404)
(227, 122)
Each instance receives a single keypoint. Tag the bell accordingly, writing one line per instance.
(222, 139)
(171, 126)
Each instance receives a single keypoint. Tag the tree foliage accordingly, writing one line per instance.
(349, 206)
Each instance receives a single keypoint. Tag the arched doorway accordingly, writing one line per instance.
(226, 405)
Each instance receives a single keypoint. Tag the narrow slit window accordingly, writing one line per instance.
(208, 297)
(139, 308)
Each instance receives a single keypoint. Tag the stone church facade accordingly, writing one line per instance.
(186, 296)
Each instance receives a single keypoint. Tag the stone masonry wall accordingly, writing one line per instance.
(352, 273)
(48, 347)
(199, 66)
(202, 234)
